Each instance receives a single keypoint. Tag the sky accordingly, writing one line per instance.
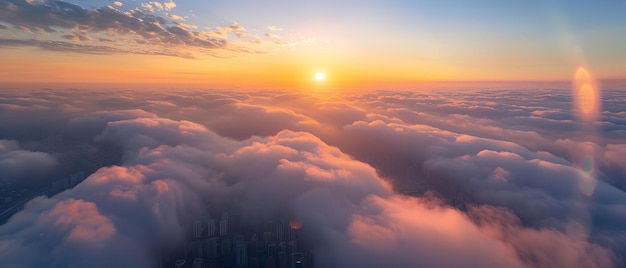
(282, 44)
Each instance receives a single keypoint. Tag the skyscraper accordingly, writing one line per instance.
(225, 247)
(211, 228)
(271, 250)
(196, 229)
(292, 234)
(293, 246)
(212, 247)
(280, 231)
(223, 227)
(241, 252)
(197, 249)
(224, 224)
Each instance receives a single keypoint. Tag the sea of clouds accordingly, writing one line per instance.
(513, 178)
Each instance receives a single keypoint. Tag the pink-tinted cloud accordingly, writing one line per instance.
(85, 223)
(505, 184)
(401, 231)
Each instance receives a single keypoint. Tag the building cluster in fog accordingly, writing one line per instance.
(226, 238)
(15, 199)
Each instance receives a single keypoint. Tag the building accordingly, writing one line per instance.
(198, 263)
(297, 260)
(196, 230)
(293, 246)
(197, 249)
(283, 260)
(224, 224)
(225, 247)
(282, 247)
(270, 262)
(212, 248)
(292, 234)
(271, 250)
(280, 231)
(211, 228)
(241, 252)
(267, 244)
(179, 263)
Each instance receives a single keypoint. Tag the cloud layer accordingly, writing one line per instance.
(507, 184)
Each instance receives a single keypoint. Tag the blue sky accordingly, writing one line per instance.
(410, 40)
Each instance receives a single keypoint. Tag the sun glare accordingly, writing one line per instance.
(320, 76)
(586, 95)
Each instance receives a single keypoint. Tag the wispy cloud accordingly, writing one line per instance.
(176, 17)
(271, 35)
(158, 5)
(223, 32)
(64, 46)
(148, 7)
(169, 4)
(72, 28)
(274, 28)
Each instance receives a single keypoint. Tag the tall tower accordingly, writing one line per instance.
(280, 231)
(211, 228)
(292, 234)
(241, 252)
(224, 224)
(196, 229)
(223, 227)
(212, 247)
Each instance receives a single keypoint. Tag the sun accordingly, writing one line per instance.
(320, 76)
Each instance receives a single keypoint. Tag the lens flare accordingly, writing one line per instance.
(587, 181)
(587, 96)
(582, 76)
(588, 165)
(587, 105)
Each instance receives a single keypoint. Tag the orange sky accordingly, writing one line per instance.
(364, 48)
